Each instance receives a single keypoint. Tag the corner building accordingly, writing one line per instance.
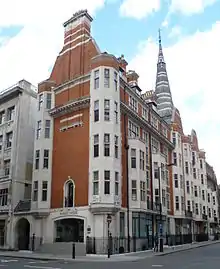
(99, 145)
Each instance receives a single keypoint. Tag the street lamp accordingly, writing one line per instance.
(109, 220)
(161, 225)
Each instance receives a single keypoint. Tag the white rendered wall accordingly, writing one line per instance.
(42, 143)
(101, 127)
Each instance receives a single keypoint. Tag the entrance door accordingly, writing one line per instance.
(23, 234)
(69, 230)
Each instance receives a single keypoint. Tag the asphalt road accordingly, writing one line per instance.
(200, 258)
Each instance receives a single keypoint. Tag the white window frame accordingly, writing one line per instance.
(37, 159)
(134, 190)
(10, 113)
(133, 130)
(107, 182)
(35, 191)
(47, 129)
(4, 197)
(116, 80)
(177, 202)
(133, 103)
(106, 77)
(8, 141)
(145, 113)
(142, 161)
(107, 139)
(96, 79)
(133, 158)
(143, 191)
(106, 110)
(39, 126)
(49, 101)
(95, 190)
(7, 167)
(46, 159)
(96, 145)
(116, 183)
(96, 110)
(44, 190)
(40, 101)
(116, 147)
(116, 112)
(2, 116)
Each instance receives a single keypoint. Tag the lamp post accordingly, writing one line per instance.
(109, 220)
(161, 222)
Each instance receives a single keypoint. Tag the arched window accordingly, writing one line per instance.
(69, 193)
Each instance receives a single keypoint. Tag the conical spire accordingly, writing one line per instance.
(162, 91)
(160, 55)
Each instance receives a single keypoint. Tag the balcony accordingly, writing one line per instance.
(23, 206)
(189, 214)
(204, 217)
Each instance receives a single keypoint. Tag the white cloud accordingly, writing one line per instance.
(30, 53)
(193, 70)
(165, 23)
(175, 31)
(188, 7)
(139, 9)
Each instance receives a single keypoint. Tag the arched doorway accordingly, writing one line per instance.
(23, 234)
(69, 230)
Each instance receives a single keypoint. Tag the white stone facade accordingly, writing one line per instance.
(18, 117)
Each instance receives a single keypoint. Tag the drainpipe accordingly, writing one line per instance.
(126, 146)
(151, 184)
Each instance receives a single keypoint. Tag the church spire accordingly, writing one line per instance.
(162, 91)
(160, 55)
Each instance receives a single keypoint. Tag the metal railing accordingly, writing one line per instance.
(119, 244)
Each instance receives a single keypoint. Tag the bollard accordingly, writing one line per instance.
(33, 242)
(74, 251)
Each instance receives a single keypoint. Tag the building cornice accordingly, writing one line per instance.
(146, 125)
(72, 83)
(70, 107)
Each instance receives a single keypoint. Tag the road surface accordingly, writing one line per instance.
(200, 258)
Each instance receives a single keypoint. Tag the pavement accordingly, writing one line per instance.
(129, 257)
(125, 257)
(197, 258)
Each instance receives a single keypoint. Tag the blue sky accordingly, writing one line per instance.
(129, 32)
(30, 42)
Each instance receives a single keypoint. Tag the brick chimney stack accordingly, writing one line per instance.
(78, 49)
(77, 25)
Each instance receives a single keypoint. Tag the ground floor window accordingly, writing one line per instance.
(122, 224)
(2, 232)
(141, 224)
(69, 230)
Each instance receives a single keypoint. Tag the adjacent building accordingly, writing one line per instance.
(212, 197)
(194, 205)
(17, 124)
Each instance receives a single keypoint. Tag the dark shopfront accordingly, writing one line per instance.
(142, 231)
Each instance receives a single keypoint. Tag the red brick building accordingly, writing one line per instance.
(98, 149)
